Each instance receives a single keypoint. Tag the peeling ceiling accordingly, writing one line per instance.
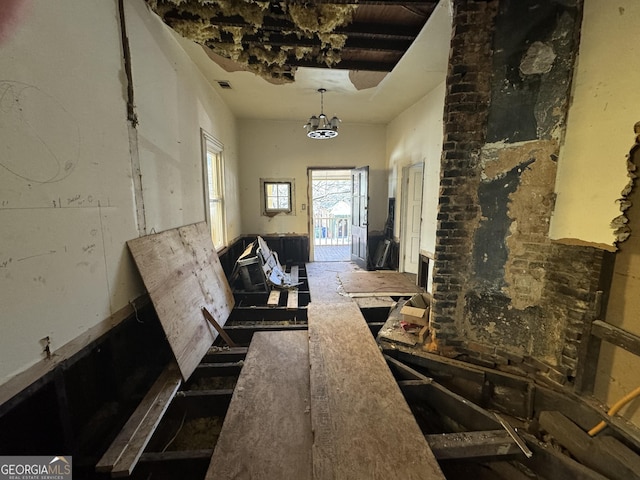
(274, 38)
(375, 58)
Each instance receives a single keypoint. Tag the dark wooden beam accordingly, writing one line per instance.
(551, 463)
(616, 336)
(278, 25)
(602, 454)
(490, 444)
(242, 334)
(176, 456)
(449, 404)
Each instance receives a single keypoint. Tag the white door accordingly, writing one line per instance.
(411, 217)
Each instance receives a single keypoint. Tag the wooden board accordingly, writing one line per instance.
(124, 452)
(601, 453)
(294, 274)
(292, 300)
(378, 283)
(393, 332)
(267, 433)
(182, 273)
(274, 298)
(363, 427)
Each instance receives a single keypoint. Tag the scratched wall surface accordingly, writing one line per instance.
(67, 202)
(65, 196)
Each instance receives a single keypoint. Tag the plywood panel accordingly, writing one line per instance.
(363, 427)
(377, 283)
(267, 430)
(182, 273)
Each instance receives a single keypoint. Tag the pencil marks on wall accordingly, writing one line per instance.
(39, 138)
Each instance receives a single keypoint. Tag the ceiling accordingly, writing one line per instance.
(392, 54)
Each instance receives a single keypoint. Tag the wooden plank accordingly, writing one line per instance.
(218, 328)
(450, 404)
(292, 300)
(294, 274)
(274, 298)
(602, 454)
(363, 427)
(392, 330)
(476, 445)
(620, 458)
(182, 273)
(125, 450)
(588, 352)
(242, 334)
(550, 463)
(267, 431)
(617, 336)
(377, 283)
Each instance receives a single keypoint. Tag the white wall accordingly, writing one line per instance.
(592, 170)
(280, 149)
(173, 101)
(415, 136)
(67, 203)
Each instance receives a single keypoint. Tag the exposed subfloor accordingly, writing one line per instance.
(324, 284)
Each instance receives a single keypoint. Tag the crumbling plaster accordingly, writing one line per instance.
(593, 171)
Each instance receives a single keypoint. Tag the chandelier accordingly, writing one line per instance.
(321, 127)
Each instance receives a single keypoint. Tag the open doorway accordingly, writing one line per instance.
(330, 214)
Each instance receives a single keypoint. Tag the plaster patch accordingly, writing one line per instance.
(538, 59)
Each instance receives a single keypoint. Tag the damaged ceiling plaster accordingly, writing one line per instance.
(274, 38)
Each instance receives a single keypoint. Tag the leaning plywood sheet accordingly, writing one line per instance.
(182, 273)
(363, 427)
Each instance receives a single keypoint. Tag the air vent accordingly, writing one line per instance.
(224, 84)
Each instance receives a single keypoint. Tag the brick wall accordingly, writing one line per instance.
(465, 119)
(504, 294)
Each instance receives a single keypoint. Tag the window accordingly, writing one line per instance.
(214, 188)
(277, 196)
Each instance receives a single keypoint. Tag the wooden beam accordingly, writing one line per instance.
(274, 298)
(550, 463)
(447, 403)
(602, 454)
(176, 456)
(242, 334)
(292, 300)
(616, 336)
(123, 454)
(472, 445)
(218, 328)
(294, 274)
(405, 371)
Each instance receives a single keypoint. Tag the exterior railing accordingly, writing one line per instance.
(332, 230)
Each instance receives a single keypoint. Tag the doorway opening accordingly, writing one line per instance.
(330, 214)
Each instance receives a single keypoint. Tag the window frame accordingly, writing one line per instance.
(266, 211)
(209, 144)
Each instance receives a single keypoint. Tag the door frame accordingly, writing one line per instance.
(404, 210)
(310, 231)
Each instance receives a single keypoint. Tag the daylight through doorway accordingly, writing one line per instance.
(331, 215)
